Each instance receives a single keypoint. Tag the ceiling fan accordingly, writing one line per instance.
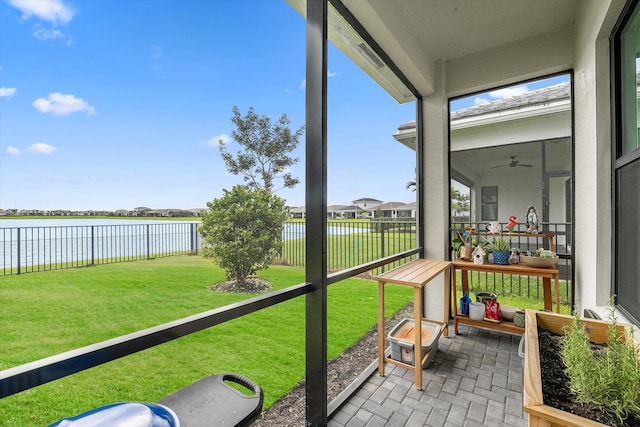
(513, 164)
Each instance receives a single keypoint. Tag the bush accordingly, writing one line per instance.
(243, 230)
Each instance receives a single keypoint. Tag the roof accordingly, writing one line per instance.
(390, 205)
(366, 199)
(542, 96)
(535, 97)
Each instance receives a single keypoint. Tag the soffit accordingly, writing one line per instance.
(417, 33)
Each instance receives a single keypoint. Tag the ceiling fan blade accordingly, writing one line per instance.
(495, 167)
(526, 166)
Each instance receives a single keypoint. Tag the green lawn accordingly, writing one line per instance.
(47, 313)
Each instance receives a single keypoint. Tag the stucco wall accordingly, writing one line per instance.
(593, 234)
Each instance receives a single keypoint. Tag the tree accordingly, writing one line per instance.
(266, 150)
(243, 230)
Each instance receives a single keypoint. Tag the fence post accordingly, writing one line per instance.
(148, 240)
(382, 242)
(18, 250)
(92, 245)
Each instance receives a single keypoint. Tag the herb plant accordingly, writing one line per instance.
(610, 378)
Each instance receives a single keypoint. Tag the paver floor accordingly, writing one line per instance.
(475, 379)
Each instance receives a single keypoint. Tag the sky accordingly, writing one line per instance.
(118, 104)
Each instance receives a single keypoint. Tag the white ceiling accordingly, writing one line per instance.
(416, 33)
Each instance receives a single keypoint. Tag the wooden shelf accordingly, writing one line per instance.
(502, 326)
(547, 275)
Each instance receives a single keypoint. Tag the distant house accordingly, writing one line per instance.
(388, 209)
(407, 211)
(367, 203)
(297, 212)
(335, 211)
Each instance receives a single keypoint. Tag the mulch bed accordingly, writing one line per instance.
(555, 384)
(289, 411)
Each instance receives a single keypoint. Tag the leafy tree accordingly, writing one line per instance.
(243, 230)
(266, 150)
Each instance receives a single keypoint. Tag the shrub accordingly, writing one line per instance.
(243, 230)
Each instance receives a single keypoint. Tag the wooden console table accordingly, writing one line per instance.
(416, 274)
(516, 269)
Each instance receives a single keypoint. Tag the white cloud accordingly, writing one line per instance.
(13, 151)
(509, 92)
(215, 141)
(44, 34)
(481, 101)
(41, 148)
(7, 92)
(60, 104)
(53, 11)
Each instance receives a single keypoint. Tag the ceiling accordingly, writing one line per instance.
(416, 33)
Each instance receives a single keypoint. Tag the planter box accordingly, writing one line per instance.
(539, 413)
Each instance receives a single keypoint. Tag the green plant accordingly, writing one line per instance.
(500, 243)
(609, 378)
(243, 230)
(266, 150)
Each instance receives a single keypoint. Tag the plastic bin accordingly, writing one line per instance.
(402, 339)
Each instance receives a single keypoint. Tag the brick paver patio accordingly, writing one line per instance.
(475, 379)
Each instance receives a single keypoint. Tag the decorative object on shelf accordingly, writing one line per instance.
(462, 244)
(476, 310)
(478, 255)
(513, 220)
(513, 257)
(483, 297)
(531, 218)
(534, 261)
(465, 253)
(501, 246)
(493, 227)
(492, 311)
(508, 312)
(518, 318)
(464, 304)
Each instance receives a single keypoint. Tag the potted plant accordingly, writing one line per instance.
(621, 382)
(500, 247)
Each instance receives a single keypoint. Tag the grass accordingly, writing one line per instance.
(49, 313)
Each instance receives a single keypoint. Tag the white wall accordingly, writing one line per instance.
(593, 152)
(436, 191)
(514, 195)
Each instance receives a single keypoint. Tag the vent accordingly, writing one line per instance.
(372, 56)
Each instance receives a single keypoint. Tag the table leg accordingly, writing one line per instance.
(417, 349)
(546, 286)
(447, 301)
(454, 284)
(555, 279)
(381, 328)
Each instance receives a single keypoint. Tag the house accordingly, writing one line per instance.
(512, 147)
(297, 212)
(388, 209)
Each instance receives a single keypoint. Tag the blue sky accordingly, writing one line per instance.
(116, 104)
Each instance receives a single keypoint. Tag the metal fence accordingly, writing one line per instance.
(352, 242)
(31, 249)
(525, 286)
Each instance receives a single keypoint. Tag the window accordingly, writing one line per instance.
(626, 151)
(489, 203)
